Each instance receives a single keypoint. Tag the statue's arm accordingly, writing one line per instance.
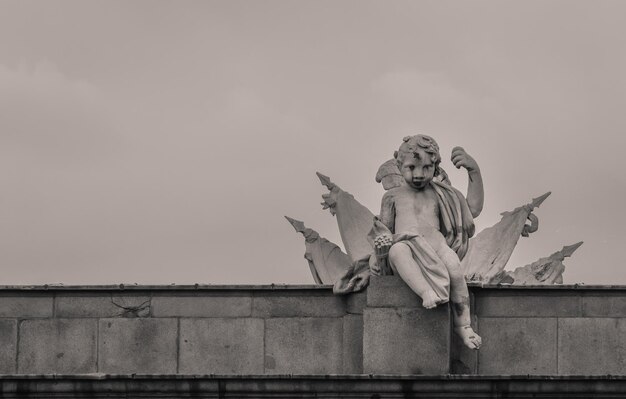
(475, 192)
(383, 240)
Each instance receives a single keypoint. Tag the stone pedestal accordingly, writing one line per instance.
(399, 335)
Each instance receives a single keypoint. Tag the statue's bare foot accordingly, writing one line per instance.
(469, 337)
(430, 300)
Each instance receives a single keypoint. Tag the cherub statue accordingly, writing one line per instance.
(429, 223)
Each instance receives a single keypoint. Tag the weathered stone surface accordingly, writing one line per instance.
(605, 304)
(464, 360)
(592, 346)
(518, 346)
(137, 346)
(490, 249)
(406, 341)
(282, 305)
(61, 346)
(356, 302)
(544, 271)
(326, 260)
(8, 346)
(86, 304)
(26, 305)
(589, 345)
(353, 344)
(221, 346)
(310, 345)
(201, 304)
(353, 219)
(530, 304)
(391, 291)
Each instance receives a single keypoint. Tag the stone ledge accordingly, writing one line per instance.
(503, 304)
(303, 376)
(171, 287)
(280, 287)
(578, 287)
(22, 306)
(272, 305)
(329, 386)
(192, 305)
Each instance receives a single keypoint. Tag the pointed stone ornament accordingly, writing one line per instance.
(325, 180)
(544, 271)
(353, 219)
(491, 249)
(539, 200)
(569, 250)
(326, 260)
(298, 225)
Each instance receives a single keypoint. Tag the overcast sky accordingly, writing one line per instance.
(163, 141)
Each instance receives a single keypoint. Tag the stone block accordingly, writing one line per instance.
(221, 346)
(283, 304)
(592, 346)
(356, 302)
(146, 346)
(57, 346)
(391, 291)
(352, 344)
(406, 340)
(308, 345)
(26, 304)
(518, 345)
(604, 305)
(8, 346)
(464, 360)
(102, 304)
(201, 304)
(528, 303)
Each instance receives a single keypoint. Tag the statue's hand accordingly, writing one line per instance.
(382, 244)
(462, 158)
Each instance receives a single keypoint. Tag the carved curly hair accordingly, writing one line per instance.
(411, 143)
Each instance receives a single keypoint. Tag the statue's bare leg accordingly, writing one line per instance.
(459, 297)
(402, 259)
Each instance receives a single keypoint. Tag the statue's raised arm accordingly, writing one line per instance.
(475, 193)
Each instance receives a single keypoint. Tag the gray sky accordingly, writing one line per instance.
(163, 141)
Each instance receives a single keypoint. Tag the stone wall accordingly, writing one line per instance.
(562, 330)
(558, 330)
(547, 330)
(187, 330)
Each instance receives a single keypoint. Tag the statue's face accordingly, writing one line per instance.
(418, 170)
